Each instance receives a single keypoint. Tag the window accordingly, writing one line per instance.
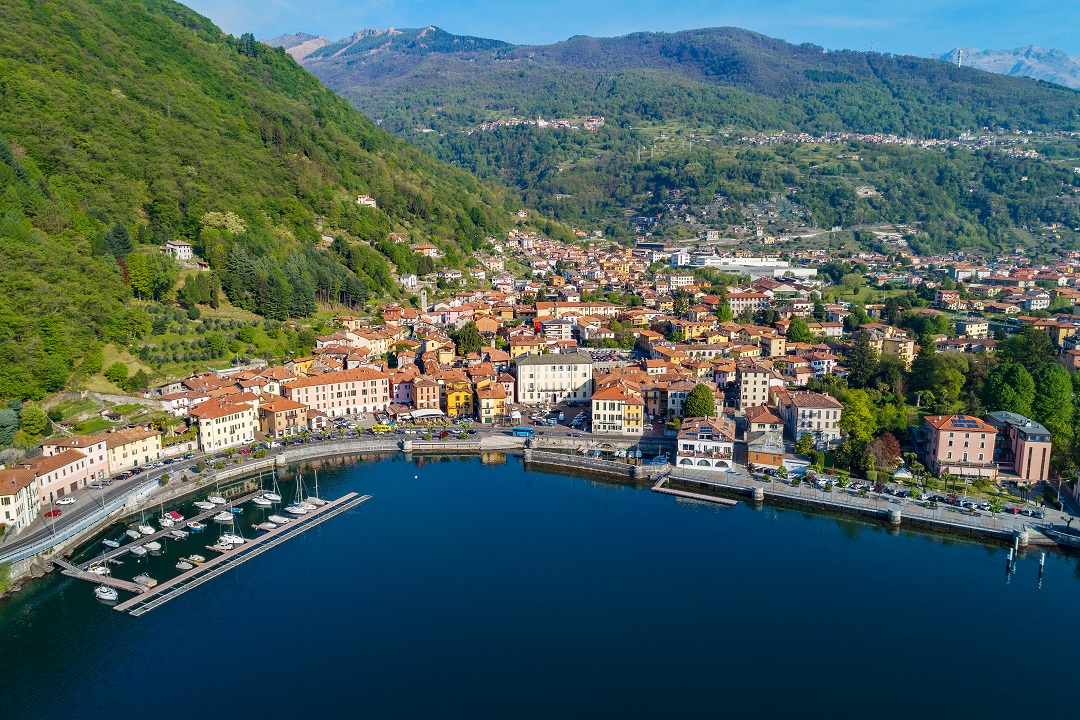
(948, 456)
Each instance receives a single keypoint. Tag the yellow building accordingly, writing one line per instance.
(457, 393)
(131, 448)
(492, 403)
(617, 411)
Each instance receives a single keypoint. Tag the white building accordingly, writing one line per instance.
(18, 499)
(345, 392)
(554, 378)
(179, 250)
(226, 423)
(706, 443)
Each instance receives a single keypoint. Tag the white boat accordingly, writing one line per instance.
(217, 500)
(197, 559)
(272, 497)
(110, 543)
(296, 510)
(196, 526)
(315, 499)
(314, 502)
(179, 534)
(306, 505)
(203, 505)
(106, 594)
(223, 517)
(133, 534)
(261, 502)
(99, 570)
(184, 565)
(265, 526)
(232, 538)
(153, 546)
(137, 550)
(165, 522)
(145, 529)
(145, 580)
(278, 519)
(220, 547)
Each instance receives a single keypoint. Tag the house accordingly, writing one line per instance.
(949, 299)
(179, 249)
(961, 445)
(491, 401)
(19, 501)
(810, 412)
(972, 327)
(747, 302)
(366, 201)
(409, 281)
(617, 410)
(223, 423)
(1023, 444)
(344, 392)
(553, 378)
(93, 447)
(430, 251)
(762, 418)
(706, 443)
(457, 393)
(765, 449)
(752, 380)
(58, 474)
(131, 447)
(282, 417)
(426, 394)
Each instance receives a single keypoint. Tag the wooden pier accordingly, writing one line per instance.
(149, 599)
(660, 487)
(164, 532)
(80, 574)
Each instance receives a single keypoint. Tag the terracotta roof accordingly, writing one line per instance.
(965, 423)
(340, 376)
(15, 479)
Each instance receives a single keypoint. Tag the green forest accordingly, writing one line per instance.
(125, 124)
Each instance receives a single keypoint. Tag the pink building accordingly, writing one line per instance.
(59, 474)
(961, 445)
(94, 447)
(1022, 443)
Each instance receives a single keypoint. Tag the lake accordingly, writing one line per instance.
(469, 590)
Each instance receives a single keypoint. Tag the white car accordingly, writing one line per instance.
(66, 501)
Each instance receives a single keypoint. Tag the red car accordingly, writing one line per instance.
(444, 434)
(53, 513)
(245, 451)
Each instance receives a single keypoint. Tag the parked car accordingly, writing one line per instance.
(189, 456)
(66, 501)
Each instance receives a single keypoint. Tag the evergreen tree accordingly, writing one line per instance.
(799, 331)
(1052, 404)
(118, 240)
(699, 402)
(1010, 388)
(861, 361)
(468, 339)
(1031, 347)
(858, 419)
(9, 425)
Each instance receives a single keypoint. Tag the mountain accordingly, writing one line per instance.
(298, 45)
(723, 76)
(1031, 61)
(128, 123)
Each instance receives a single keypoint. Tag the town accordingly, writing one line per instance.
(939, 372)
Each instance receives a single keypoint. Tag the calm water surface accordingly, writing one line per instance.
(467, 590)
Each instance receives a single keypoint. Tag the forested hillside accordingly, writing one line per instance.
(676, 105)
(128, 123)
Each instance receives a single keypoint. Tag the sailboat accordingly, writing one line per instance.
(106, 594)
(315, 500)
(278, 519)
(184, 565)
(223, 517)
(298, 507)
(275, 494)
(110, 543)
(203, 505)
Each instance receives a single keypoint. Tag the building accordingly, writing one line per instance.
(765, 449)
(59, 474)
(810, 412)
(960, 445)
(554, 378)
(751, 383)
(130, 448)
(19, 501)
(557, 329)
(457, 393)
(426, 394)
(1022, 444)
(617, 411)
(491, 401)
(344, 392)
(224, 423)
(762, 418)
(706, 443)
(179, 249)
(93, 447)
(282, 417)
(748, 302)
(972, 327)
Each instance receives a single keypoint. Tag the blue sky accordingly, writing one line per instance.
(918, 27)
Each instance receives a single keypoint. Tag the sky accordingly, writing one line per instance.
(918, 27)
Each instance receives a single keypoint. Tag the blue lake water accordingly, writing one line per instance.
(485, 591)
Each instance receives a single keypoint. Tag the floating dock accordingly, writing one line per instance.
(660, 487)
(148, 599)
(77, 572)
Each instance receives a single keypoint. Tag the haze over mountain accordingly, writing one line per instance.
(1030, 61)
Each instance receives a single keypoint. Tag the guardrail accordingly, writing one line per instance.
(74, 529)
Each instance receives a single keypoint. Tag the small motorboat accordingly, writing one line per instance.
(314, 502)
(296, 510)
(110, 543)
(306, 505)
(278, 519)
(217, 499)
(133, 534)
(175, 516)
(219, 546)
(178, 534)
(196, 526)
(261, 502)
(197, 559)
(101, 570)
(153, 546)
(272, 497)
(145, 529)
(265, 526)
(184, 565)
(232, 538)
(138, 550)
(165, 521)
(236, 510)
(223, 517)
(203, 505)
(144, 580)
(106, 594)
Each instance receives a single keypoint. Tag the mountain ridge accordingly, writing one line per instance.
(1030, 61)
